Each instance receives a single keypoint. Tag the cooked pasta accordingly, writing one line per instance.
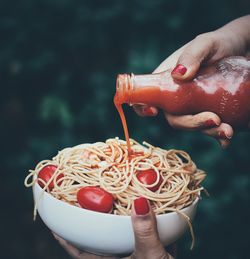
(107, 165)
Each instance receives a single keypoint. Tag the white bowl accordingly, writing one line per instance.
(102, 233)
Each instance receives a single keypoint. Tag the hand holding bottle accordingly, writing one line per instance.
(231, 40)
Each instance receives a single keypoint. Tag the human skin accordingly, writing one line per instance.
(230, 40)
(233, 39)
(147, 241)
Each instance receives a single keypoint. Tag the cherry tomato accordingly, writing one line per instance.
(46, 173)
(149, 177)
(95, 198)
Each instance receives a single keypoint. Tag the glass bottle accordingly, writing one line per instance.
(222, 88)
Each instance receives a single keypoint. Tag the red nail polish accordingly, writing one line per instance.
(179, 69)
(210, 123)
(141, 206)
(222, 134)
(149, 111)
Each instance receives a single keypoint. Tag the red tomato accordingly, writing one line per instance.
(149, 177)
(95, 198)
(46, 173)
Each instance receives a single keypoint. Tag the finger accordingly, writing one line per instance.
(147, 242)
(144, 110)
(74, 252)
(223, 134)
(189, 62)
(170, 62)
(224, 131)
(224, 143)
(193, 122)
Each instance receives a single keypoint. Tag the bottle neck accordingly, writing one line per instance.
(124, 85)
(128, 84)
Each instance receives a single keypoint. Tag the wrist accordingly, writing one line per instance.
(229, 42)
(237, 34)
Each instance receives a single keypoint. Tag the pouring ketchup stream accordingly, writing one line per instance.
(118, 105)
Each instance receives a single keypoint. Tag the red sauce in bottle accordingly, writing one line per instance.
(222, 88)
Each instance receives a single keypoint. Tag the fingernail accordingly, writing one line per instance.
(210, 123)
(222, 134)
(149, 111)
(179, 70)
(141, 206)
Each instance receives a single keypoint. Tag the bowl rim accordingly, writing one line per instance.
(81, 210)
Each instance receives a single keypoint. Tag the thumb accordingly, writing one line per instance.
(196, 52)
(145, 110)
(147, 242)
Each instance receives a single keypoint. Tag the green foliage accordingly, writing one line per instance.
(59, 61)
(53, 108)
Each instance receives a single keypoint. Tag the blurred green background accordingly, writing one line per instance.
(58, 64)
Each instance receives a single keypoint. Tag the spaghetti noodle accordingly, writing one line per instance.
(107, 165)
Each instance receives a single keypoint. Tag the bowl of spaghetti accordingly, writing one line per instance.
(64, 186)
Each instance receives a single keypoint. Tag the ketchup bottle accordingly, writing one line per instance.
(222, 88)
